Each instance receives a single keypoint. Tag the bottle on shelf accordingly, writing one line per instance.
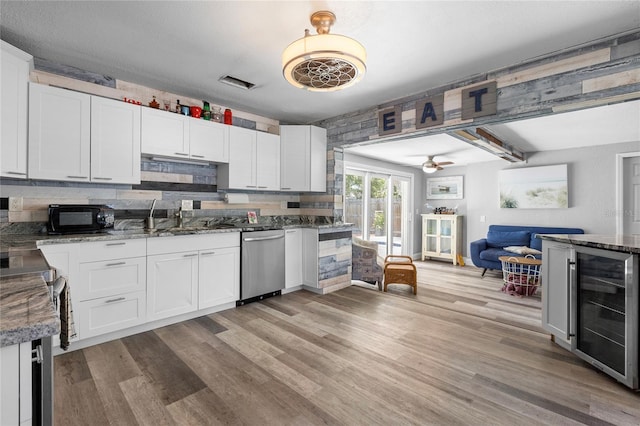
(228, 116)
(216, 115)
(206, 111)
(178, 107)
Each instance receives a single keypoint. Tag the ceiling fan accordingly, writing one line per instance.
(431, 166)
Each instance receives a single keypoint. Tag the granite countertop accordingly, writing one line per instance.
(31, 241)
(623, 243)
(26, 310)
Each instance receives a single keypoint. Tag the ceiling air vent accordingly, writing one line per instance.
(236, 82)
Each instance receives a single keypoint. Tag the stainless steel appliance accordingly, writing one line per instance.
(262, 264)
(604, 312)
(79, 218)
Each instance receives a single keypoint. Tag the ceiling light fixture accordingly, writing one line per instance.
(324, 62)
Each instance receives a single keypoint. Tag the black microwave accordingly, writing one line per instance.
(79, 218)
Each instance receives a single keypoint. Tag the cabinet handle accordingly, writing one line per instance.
(251, 186)
(284, 187)
(116, 264)
(290, 231)
(78, 177)
(197, 156)
(208, 253)
(190, 255)
(116, 244)
(118, 299)
(102, 178)
(16, 173)
(181, 153)
(262, 186)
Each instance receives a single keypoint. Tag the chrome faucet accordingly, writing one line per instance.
(179, 218)
(150, 221)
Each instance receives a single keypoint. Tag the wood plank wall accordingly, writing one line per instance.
(600, 73)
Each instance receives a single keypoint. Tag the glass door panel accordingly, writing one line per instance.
(432, 226)
(432, 244)
(401, 213)
(378, 187)
(445, 227)
(445, 245)
(354, 206)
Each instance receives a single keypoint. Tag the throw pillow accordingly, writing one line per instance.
(499, 239)
(524, 250)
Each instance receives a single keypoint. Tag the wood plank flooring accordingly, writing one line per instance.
(460, 352)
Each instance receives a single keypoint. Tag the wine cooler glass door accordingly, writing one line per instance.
(607, 313)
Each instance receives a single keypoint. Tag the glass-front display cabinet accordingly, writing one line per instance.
(442, 236)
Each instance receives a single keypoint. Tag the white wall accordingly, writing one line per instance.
(591, 176)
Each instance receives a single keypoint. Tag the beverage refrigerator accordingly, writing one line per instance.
(604, 312)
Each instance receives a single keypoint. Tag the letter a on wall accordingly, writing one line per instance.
(430, 111)
(390, 121)
(481, 100)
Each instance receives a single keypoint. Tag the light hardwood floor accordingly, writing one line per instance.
(460, 352)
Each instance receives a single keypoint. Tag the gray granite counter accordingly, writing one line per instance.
(622, 243)
(26, 311)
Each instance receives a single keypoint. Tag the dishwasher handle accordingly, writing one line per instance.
(273, 237)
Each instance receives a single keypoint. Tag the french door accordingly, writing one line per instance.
(378, 204)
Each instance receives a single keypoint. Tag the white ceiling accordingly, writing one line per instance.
(186, 46)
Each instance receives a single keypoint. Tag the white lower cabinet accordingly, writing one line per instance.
(172, 284)
(15, 384)
(310, 257)
(113, 313)
(292, 258)
(219, 276)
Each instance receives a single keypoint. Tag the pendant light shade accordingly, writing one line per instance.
(324, 62)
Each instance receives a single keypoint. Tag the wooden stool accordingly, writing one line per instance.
(400, 271)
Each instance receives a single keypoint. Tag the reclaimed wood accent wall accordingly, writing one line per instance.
(600, 73)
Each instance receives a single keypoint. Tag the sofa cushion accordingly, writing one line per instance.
(499, 239)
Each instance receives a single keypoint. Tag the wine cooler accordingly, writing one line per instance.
(604, 312)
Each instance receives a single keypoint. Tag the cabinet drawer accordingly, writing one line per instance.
(109, 314)
(164, 245)
(114, 249)
(108, 278)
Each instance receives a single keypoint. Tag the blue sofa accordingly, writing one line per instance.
(485, 252)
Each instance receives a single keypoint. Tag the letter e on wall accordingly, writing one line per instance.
(390, 121)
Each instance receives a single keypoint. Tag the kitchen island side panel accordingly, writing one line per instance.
(334, 259)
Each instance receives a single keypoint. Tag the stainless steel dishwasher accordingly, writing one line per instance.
(262, 270)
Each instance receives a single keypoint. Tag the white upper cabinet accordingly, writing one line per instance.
(115, 141)
(268, 161)
(303, 164)
(59, 134)
(15, 66)
(254, 161)
(168, 134)
(164, 133)
(208, 141)
(78, 137)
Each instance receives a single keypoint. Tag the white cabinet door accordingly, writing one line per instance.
(14, 75)
(268, 161)
(172, 284)
(111, 278)
(295, 154)
(292, 258)
(100, 316)
(59, 134)
(165, 133)
(240, 173)
(318, 160)
(15, 384)
(115, 141)
(219, 273)
(556, 269)
(310, 257)
(209, 141)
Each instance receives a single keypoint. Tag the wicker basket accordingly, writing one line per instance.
(521, 275)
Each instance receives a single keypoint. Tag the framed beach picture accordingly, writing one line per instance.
(534, 188)
(445, 188)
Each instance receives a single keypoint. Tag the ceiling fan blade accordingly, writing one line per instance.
(438, 168)
(445, 163)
